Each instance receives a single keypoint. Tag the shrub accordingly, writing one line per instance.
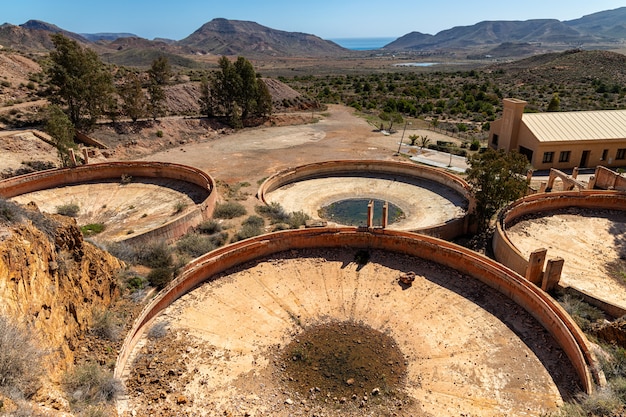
(156, 255)
(252, 226)
(20, 360)
(105, 325)
(159, 133)
(10, 212)
(274, 211)
(89, 384)
(209, 227)
(70, 210)
(475, 145)
(297, 219)
(123, 251)
(160, 277)
(195, 244)
(219, 239)
(254, 221)
(583, 314)
(229, 210)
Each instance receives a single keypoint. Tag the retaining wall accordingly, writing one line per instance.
(536, 302)
(42, 180)
(448, 230)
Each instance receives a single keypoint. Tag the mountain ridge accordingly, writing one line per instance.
(220, 36)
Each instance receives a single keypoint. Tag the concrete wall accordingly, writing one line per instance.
(42, 180)
(536, 302)
(448, 230)
(609, 180)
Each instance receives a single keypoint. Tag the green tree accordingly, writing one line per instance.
(206, 99)
(555, 103)
(134, 101)
(79, 82)
(61, 129)
(497, 178)
(238, 93)
(159, 74)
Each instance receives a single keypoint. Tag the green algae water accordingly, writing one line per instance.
(353, 212)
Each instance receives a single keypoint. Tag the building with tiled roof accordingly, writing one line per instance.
(562, 140)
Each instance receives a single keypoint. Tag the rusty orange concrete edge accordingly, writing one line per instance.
(41, 180)
(448, 230)
(538, 303)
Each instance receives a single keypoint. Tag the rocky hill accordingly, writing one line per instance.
(231, 37)
(599, 29)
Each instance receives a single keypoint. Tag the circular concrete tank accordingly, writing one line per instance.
(474, 336)
(433, 201)
(585, 228)
(135, 201)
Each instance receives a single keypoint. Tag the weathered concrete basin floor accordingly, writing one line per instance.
(468, 349)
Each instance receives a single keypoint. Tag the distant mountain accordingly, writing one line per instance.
(33, 36)
(95, 37)
(609, 23)
(492, 33)
(232, 37)
(486, 39)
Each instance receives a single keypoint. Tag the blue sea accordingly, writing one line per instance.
(362, 44)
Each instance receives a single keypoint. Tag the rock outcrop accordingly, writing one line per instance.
(52, 280)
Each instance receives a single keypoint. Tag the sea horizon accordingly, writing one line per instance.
(363, 44)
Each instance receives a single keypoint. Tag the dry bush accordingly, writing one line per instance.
(20, 360)
(91, 384)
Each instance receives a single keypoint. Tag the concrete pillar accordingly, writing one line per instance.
(529, 175)
(86, 155)
(370, 214)
(553, 274)
(385, 218)
(534, 270)
(575, 172)
(551, 179)
(543, 186)
(592, 183)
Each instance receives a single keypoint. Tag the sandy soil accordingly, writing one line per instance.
(590, 242)
(468, 349)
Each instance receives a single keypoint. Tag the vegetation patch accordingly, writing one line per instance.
(229, 210)
(70, 209)
(92, 229)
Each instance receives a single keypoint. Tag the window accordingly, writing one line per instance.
(621, 154)
(494, 140)
(564, 156)
(547, 157)
(605, 153)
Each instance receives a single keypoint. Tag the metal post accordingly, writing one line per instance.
(402, 138)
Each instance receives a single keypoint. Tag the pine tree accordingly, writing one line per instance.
(159, 73)
(79, 82)
(62, 131)
(134, 101)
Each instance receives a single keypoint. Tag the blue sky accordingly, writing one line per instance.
(329, 19)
